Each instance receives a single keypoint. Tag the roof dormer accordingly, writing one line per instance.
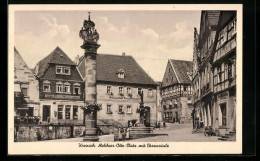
(121, 73)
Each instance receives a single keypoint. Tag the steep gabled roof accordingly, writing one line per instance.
(57, 56)
(108, 66)
(22, 72)
(182, 69)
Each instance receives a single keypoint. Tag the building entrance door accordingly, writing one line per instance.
(46, 112)
(176, 117)
(223, 113)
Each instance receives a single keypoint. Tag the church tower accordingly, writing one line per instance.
(90, 45)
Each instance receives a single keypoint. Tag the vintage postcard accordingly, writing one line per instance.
(125, 79)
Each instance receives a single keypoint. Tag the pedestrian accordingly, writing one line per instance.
(124, 133)
(119, 134)
(159, 124)
(127, 134)
(164, 124)
(130, 124)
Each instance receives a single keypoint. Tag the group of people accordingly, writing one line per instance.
(123, 133)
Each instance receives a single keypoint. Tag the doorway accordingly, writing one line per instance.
(223, 108)
(46, 112)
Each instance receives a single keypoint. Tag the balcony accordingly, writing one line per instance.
(26, 119)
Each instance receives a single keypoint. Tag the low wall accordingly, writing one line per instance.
(30, 133)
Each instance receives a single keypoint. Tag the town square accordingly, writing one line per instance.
(125, 76)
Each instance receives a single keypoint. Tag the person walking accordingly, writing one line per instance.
(127, 134)
(124, 133)
(119, 134)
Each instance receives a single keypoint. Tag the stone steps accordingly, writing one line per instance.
(143, 135)
(231, 136)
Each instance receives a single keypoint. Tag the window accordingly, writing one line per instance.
(109, 110)
(108, 89)
(67, 70)
(66, 87)
(129, 91)
(46, 112)
(121, 91)
(139, 91)
(30, 111)
(59, 88)
(75, 112)
(120, 109)
(76, 89)
(25, 91)
(60, 111)
(150, 92)
(121, 75)
(229, 70)
(46, 87)
(129, 109)
(67, 112)
(58, 70)
(63, 70)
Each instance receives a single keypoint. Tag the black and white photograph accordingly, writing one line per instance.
(153, 78)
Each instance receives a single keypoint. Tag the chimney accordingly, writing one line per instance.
(123, 54)
(76, 60)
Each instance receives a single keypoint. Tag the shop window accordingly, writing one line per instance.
(67, 112)
(30, 111)
(46, 113)
(129, 109)
(25, 91)
(75, 112)
(60, 111)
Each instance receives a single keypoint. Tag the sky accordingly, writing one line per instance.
(151, 37)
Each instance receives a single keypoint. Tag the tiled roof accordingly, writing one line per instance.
(57, 56)
(108, 66)
(182, 69)
(22, 71)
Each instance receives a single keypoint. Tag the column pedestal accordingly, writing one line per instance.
(91, 130)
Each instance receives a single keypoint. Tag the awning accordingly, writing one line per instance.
(17, 88)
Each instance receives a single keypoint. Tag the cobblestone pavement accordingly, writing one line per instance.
(176, 133)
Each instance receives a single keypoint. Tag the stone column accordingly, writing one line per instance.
(90, 98)
(90, 45)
